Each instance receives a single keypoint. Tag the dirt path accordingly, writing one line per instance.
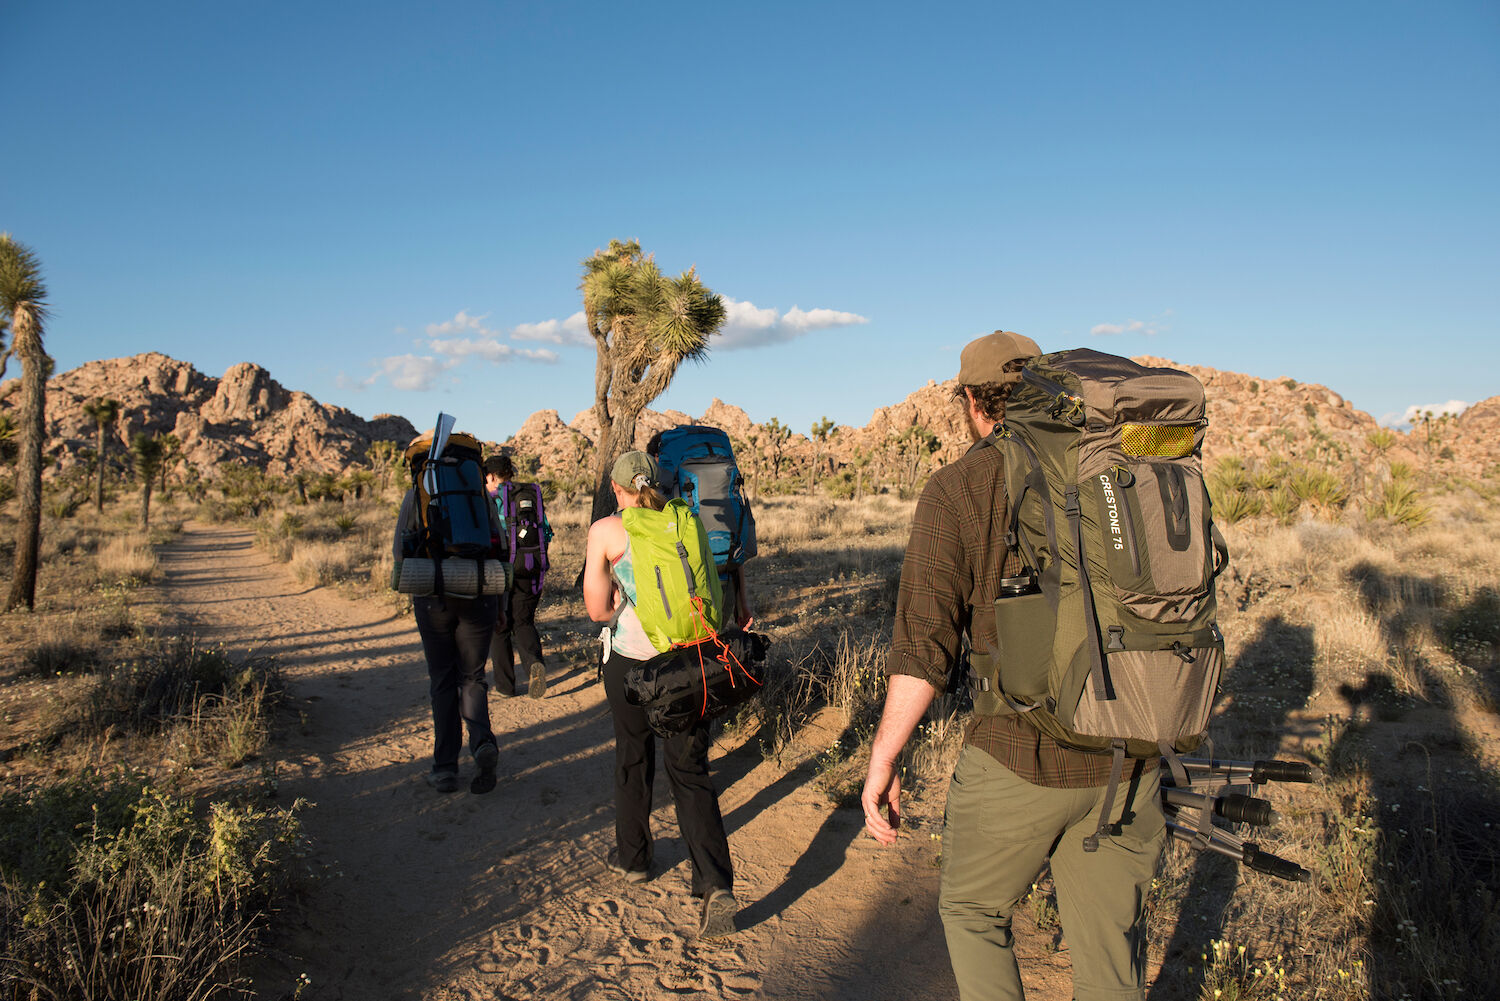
(504, 895)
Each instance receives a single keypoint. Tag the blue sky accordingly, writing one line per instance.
(386, 204)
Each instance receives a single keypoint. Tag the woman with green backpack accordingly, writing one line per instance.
(649, 573)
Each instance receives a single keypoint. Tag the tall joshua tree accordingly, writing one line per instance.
(644, 324)
(104, 411)
(147, 453)
(23, 307)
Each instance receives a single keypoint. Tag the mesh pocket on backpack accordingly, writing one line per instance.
(1157, 695)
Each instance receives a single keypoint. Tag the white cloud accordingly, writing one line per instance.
(1150, 329)
(411, 372)
(573, 330)
(747, 326)
(1413, 413)
(488, 349)
(461, 321)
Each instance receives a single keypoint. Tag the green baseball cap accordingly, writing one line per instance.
(984, 359)
(634, 470)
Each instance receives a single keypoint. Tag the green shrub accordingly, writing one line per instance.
(1399, 502)
(1381, 439)
(117, 890)
(1235, 506)
(1319, 487)
(1282, 504)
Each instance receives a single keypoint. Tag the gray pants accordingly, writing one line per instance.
(998, 831)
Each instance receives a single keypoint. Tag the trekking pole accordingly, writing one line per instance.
(1234, 807)
(1246, 852)
(1255, 772)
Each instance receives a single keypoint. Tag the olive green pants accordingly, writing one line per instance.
(998, 831)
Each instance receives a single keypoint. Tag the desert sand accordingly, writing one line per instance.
(505, 895)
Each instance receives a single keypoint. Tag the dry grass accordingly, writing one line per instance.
(127, 559)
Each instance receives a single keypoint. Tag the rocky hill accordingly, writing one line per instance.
(244, 416)
(247, 416)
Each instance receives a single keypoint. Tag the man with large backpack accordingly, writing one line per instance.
(1085, 606)
(523, 521)
(447, 551)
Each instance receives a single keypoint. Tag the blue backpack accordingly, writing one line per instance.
(697, 464)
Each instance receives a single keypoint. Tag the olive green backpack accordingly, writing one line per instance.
(1108, 641)
(678, 598)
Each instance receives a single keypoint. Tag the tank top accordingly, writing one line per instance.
(628, 638)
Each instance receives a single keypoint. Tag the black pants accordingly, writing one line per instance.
(456, 639)
(520, 630)
(692, 789)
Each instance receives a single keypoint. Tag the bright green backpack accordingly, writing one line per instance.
(677, 594)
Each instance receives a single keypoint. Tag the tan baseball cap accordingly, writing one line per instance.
(984, 359)
(634, 470)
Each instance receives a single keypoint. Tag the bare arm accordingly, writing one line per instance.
(598, 585)
(906, 701)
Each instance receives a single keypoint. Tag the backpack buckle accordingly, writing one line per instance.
(1116, 639)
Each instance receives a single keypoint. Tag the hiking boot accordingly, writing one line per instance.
(486, 756)
(443, 780)
(612, 863)
(717, 917)
(538, 686)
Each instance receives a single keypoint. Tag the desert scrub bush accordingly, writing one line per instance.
(213, 706)
(1399, 502)
(1320, 488)
(319, 563)
(113, 889)
(1282, 504)
(127, 559)
(1235, 506)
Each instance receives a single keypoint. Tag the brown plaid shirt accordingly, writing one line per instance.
(954, 563)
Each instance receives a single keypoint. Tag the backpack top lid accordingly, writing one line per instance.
(460, 444)
(687, 441)
(1107, 390)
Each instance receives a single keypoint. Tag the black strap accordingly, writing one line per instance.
(1116, 771)
(1095, 642)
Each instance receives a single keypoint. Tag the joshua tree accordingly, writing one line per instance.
(821, 431)
(914, 445)
(147, 453)
(644, 326)
(171, 448)
(384, 458)
(860, 461)
(23, 308)
(777, 435)
(104, 411)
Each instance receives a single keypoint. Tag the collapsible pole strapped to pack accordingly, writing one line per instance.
(1201, 786)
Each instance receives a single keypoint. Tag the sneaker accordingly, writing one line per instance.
(538, 686)
(612, 863)
(486, 756)
(443, 780)
(717, 917)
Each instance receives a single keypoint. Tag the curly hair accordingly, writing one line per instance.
(500, 465)
(990, 397)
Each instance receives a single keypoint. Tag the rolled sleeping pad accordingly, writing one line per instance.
(460, 577)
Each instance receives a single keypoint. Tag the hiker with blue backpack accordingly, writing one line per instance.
(447, 550)
(649, 573)
(1069, 557)
(524, 525)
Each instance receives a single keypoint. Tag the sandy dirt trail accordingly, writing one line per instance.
(504, 895)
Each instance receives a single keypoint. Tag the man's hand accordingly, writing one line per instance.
(906, 699)
(882, 789)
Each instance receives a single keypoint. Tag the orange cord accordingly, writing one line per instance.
(725, 655)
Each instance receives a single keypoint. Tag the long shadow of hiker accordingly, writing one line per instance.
(1270, 678)
(1434, 930)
